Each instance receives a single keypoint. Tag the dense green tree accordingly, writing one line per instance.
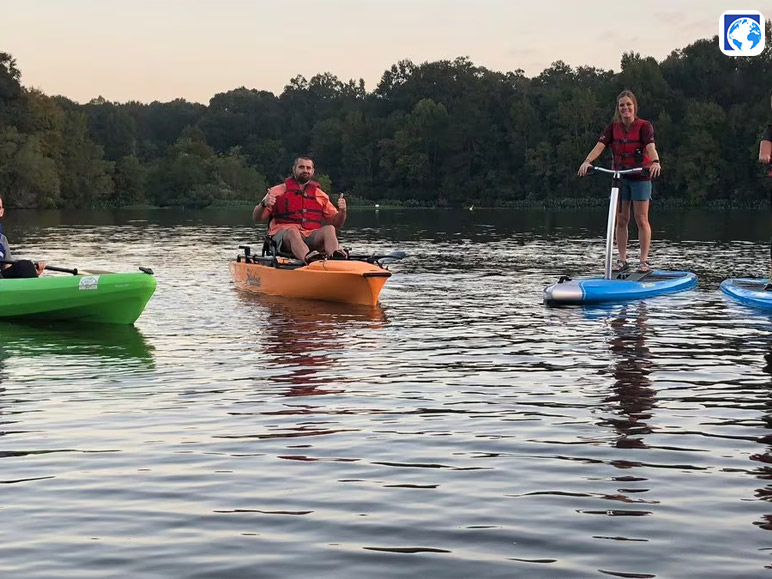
(10, 90)
(113, 127)
(85, 175)
(700, 179)
(28, 177)
(179, 177)
(129, 180)
(241, 117)
(237, 180)
(435, 133)
(359, 150)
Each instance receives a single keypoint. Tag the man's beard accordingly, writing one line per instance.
(302, 179)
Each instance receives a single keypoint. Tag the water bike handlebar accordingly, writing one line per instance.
(617, 173)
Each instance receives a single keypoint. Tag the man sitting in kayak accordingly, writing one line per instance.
(296, 209)
(21, 268)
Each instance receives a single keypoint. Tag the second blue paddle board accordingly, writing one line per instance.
(748, 291)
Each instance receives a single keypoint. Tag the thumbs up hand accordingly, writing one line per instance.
(341, 202)
(270, 198)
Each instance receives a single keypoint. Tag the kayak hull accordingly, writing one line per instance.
(596, 290)
(113, 298)
(347, 281)
(748, 291)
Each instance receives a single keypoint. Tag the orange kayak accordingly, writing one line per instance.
(353, 280)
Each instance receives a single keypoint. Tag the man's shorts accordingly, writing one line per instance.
(635, 190)
(313, 240)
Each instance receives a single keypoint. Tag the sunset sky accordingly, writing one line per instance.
(148, 50)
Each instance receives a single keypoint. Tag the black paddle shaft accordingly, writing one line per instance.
(73, 271)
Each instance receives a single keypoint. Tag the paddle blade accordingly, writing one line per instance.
(393, 255)
(379, 257)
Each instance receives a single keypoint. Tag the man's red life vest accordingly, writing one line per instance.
(627, 147)
(299, 206)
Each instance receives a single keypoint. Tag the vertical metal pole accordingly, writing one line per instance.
(611, 225)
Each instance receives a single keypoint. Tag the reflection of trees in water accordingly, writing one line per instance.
(632, 394)
(764, 470)
(307, 338)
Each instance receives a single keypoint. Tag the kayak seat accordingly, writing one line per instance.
(271, 248)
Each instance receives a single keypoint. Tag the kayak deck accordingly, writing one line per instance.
(624, 287)
(114, 298)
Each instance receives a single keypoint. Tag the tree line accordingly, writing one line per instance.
(443, 133)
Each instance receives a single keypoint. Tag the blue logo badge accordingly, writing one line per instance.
(741, 33)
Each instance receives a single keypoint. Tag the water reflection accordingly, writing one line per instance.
(764, 470)
(102, 342)
(307, 340)
(632, 396)
(468, 424)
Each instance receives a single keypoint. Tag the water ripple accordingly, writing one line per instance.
(459, 429)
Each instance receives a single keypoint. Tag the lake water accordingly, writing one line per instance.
(460, 429)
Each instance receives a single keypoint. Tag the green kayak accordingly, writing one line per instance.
(111, 298)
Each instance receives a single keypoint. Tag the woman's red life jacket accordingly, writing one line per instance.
(627, 147)
(299, 206)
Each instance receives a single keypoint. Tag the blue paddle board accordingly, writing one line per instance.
(616, 286)
(748, 291)
(623, 287)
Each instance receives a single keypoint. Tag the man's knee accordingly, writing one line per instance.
(315, 242)
(289, 238)
(292, 235)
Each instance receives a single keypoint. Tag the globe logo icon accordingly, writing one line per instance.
(744, 35)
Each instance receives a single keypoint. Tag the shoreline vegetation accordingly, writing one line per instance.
(558, 203)
(567, 203)
(437, 134)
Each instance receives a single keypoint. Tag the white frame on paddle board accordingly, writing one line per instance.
(612, 211)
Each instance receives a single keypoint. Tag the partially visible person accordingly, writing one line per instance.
(632, 144)
(765, 156)
(20, 268)
(302, 219)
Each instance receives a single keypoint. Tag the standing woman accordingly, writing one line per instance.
(765, 155)
(632, 145)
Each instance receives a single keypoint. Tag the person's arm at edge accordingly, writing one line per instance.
(6, 252)
(656, 167)
(262, 210)
(765, 151)
(591, 156)
(339, 218)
